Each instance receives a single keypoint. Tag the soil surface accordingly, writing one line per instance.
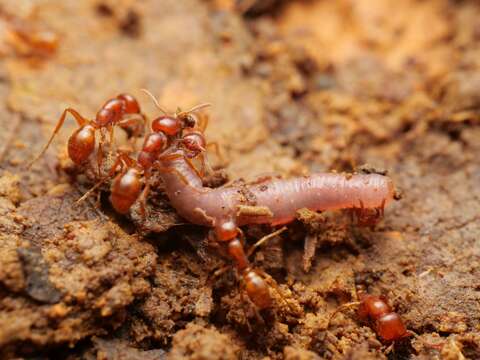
(295, 87)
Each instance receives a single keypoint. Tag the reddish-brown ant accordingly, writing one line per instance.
(256, 282)
(167, 131)
(120, 111)
(173, 125)
(379, 315)
(187, 129)
(127, 185)
(27, 38)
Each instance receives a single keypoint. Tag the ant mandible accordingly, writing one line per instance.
(81, 144)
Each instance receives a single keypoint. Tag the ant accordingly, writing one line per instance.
(256, 282)
(27, 39)
(126, 186)
(379, 315)
(121, 110)
(159, 145)
(187, 128)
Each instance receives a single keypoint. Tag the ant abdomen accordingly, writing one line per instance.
(109, 113)
(81, 144)
(390, 327)
(125, 190)
(257, 289)
(167, 124)
(387, 323)
(130, 104)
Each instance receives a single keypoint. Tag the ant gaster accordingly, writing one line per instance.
(120, 111)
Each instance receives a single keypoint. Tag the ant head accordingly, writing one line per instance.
(189, 120)
(194, 142)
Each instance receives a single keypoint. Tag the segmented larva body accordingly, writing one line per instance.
(275, 201)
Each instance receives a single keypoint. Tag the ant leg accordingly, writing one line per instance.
(113, 169)
(139, 124)
(341, 308)
(203, 123)
(264, 239)
(111, 143)
(80, 121)
(144, 194)
(206, 167)
(100, 152)
(189, 162)
(244, 301)
(216, 149)
(172, 170)
(169, 157)
(271, 281)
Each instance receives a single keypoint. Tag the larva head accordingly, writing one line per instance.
(81, 144)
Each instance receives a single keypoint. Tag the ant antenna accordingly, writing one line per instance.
(198, 107)
(155, 101)
(193, 109)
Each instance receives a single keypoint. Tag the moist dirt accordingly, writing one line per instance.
(295, 87)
